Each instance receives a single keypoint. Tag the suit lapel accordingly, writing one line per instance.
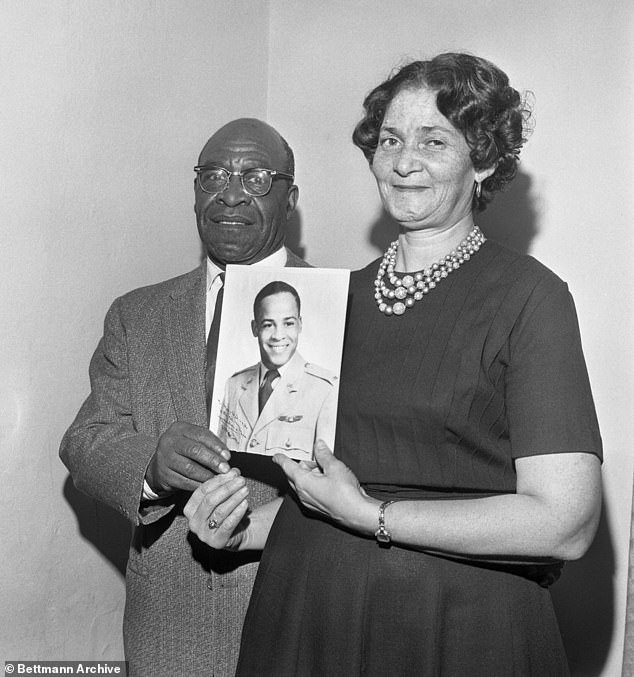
(184, 349)
(184, 344)
(293, 261)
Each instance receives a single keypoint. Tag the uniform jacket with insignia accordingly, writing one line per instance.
(300, 410)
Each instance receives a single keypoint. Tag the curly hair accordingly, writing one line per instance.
(475, 96)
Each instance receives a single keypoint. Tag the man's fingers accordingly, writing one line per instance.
(186, 472)
(175, 481)
(196, 461)
(203, 456)
(207, 439)
(186, 456)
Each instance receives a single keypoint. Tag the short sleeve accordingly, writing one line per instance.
(549, 403)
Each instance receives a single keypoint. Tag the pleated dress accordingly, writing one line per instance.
(435, 404)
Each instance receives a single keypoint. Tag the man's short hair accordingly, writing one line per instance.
(272, 288)
(290, 158)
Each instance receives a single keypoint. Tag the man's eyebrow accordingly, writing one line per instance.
(287, 317)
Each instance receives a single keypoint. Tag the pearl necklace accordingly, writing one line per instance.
(410, 288)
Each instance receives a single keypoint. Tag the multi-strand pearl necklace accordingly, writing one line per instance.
(410, 288)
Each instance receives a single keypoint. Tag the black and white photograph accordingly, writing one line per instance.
(279, 359)
(316, 336)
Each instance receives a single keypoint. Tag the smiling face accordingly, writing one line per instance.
(236, 227)
(422, 164)
(277, 326)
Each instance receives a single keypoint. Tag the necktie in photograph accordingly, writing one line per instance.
(212, 344)
(267, 387)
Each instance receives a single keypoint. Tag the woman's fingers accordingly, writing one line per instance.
(287, 464)
(219, 515)
(217, 507)
(207, 489)
(230, 522)
(323, 455)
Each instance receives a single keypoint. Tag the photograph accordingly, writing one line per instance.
(316, 338)
(279, 357)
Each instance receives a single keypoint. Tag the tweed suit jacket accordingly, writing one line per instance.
(185, 602)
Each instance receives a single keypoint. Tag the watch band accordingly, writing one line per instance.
(382, 535)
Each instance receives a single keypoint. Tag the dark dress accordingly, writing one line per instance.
(433, 404)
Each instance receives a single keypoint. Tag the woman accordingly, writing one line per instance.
(467, 452)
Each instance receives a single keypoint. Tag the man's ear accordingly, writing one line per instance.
(291, 200)
(254, 328)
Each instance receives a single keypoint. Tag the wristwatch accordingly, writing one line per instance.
(382, 535)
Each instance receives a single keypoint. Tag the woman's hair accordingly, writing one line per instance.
(475, 96)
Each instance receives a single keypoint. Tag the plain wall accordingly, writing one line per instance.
(571, 206)
(104, 109)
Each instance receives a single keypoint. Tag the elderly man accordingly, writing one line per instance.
(140, 442)
(283, 403)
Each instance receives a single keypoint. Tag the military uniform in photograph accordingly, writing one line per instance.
(300, 410)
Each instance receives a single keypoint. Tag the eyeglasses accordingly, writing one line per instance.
(256, 182)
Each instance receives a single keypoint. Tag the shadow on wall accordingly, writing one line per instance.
(294, 234)
(512, 218)
(100, 525)
(584, 602)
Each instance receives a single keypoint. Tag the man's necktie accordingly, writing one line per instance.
(267, 387)
(212, 345)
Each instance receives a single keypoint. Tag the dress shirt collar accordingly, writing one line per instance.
(277, 260)
(281, 371)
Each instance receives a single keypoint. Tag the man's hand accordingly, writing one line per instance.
(186, 456)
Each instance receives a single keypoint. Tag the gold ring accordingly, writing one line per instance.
(212, 523)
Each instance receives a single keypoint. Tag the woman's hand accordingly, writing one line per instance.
(216, 510)
(330, 488)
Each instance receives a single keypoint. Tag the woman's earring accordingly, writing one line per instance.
(478, 190)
